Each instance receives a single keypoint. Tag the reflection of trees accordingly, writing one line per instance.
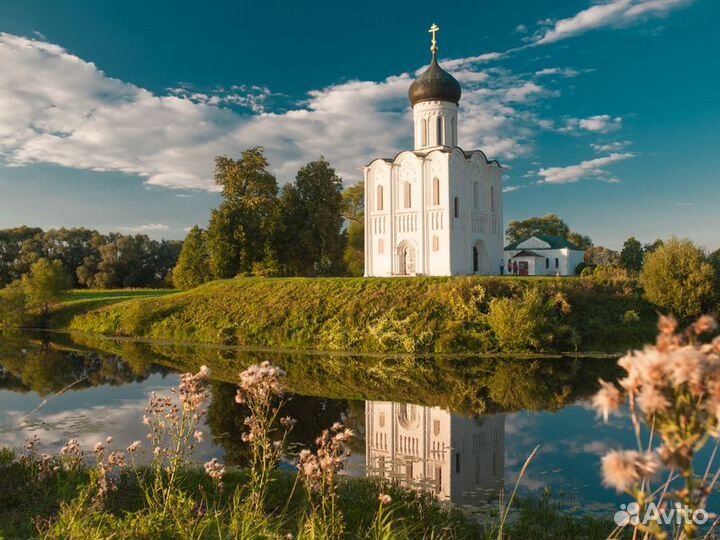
(226, 420)
(464, 385)
(43, 368)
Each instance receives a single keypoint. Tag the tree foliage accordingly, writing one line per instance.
(92, 259)
(240, 228)
(45, 282)
(632, 255)
(677, 277)
(354, 214)
(193, 267)
(548, 225)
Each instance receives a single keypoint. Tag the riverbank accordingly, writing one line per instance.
(413, 315)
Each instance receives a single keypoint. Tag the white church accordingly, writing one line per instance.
(436, 210)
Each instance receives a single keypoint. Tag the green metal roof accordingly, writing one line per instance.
(555, 242)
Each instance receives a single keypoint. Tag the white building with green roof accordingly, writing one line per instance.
(543, 256)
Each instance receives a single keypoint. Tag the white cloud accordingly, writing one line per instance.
(614, 13)
(562, 72)
(57, 108)
(590, 169)
(602, 123)
(146, 228)
(615, 146)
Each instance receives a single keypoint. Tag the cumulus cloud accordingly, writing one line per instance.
(562, 72)
(615, 146)
(58, 108)
(589, 169)
(615, 13)
(602, 123)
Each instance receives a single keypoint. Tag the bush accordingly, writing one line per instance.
(613, 276)
(521, 323)
(587, 271)
(580, 268)
(12, 306)
(678, 278)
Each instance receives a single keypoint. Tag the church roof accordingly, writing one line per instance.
(554, 242)
(467, 154)
(526, 253)
(435, 84)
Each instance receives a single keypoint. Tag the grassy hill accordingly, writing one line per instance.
(417, 315)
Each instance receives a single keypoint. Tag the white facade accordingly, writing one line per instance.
(543, 256)
(457, 459)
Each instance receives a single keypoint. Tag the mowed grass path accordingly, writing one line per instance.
(79, 301)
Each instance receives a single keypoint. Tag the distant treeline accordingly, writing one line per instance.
(93, 260)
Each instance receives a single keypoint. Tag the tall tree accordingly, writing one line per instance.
(193, 267)
(632, 255)
(312, 220)
(602, 256)
(354, 214)
(45, 282)
(240, 228)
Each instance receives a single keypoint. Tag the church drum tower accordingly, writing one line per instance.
(435, 210)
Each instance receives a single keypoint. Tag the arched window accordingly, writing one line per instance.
(423, 132)
(453, 131)
(380, 198)
(492, 198)
(557, 262)
(381, 246)
(456, 207)
(435, 243)
(436, 191)
(407, 199)
(475, 259)
(476, 195)
(439, 130)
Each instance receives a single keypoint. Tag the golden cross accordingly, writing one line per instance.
(433, 30)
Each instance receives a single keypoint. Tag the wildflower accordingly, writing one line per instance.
(215, 470)
(199, 436)
(607, 400)
(653, 401)
(99, 447)
(146, 420)
(134, 447)
(705, 325)
(109, 440)
(623, 469)
(667, 324)
(384, 499)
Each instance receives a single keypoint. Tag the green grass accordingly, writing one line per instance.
(52, 508)
(411, 315)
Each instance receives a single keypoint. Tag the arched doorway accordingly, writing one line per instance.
(406, 259)
(480, 259)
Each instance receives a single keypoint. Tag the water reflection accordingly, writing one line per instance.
(457, 459)
(457, 427)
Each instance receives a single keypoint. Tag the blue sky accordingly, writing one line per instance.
(606, 113)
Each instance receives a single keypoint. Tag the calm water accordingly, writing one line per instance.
(459, 427)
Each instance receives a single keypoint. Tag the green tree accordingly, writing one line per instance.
(632, 255)
(354, 214)
(548, 225)
(678, 277)
(311, 237)
(602, 256)
(12, 305)
(241, 227)
(193, 267)
(45, 283)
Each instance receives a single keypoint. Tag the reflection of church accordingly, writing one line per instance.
(458, 459)
(436, 210)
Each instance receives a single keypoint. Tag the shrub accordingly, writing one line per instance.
(612, 276)
(521, 323)
(587, 271)
(678, 278)
(12, 306)
(631, 316)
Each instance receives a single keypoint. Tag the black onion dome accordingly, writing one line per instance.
(435, 84)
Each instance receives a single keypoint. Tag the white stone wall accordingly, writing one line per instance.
(568, 259)
(425, 118)
(442, 243)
